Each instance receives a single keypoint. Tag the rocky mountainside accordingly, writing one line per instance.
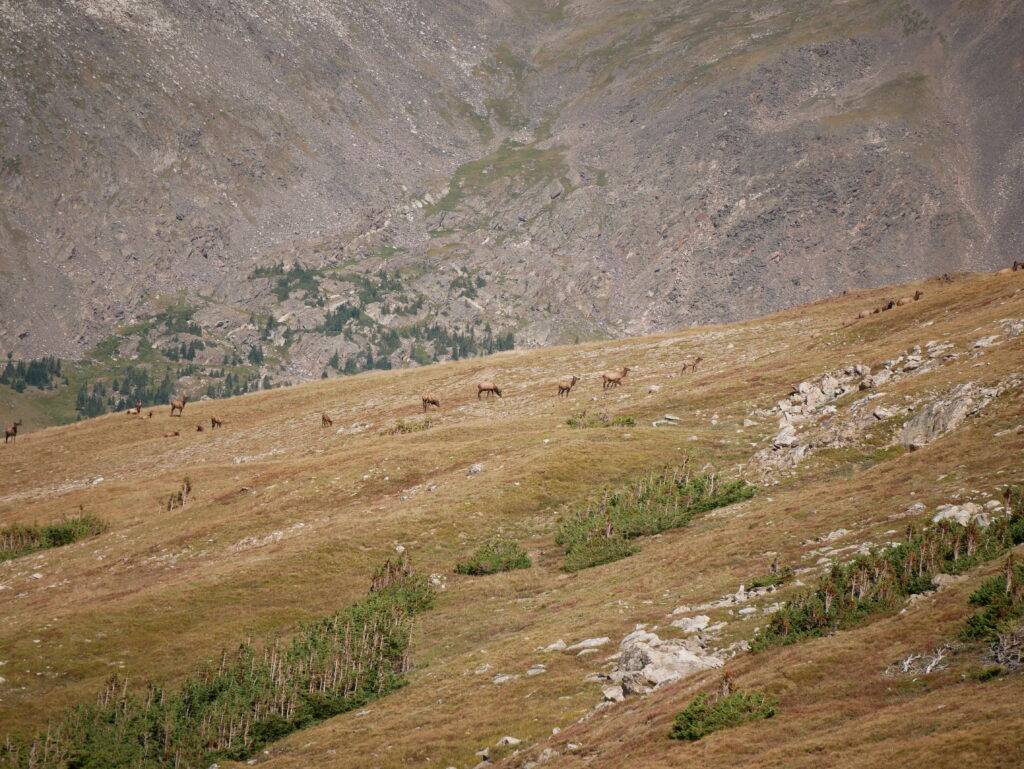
(317, 187)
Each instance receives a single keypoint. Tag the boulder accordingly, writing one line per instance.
(786, 438)
(646, 661)
(613, 693)
(941, 416)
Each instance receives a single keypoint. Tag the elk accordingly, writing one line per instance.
(149, 415)
(199, 428)
(175, 434)
(908, 299)
(11, 432)
(691, 362)
(1018, 266)
(487, 387)
(565, 384)
(613, 378)
(864, 314)
(178, 405)
(215, 423)
(430, 400)
(138, 407)
(326, 421)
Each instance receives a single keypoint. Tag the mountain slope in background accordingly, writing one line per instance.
(328, 187)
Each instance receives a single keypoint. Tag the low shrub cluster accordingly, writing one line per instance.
(16, 541)
(668, 499)
(255, 694)
(492, 557)
(1000, 605)
(774, 579)
(710, 713)
(581, 419)
(401, 427)
(882, 579)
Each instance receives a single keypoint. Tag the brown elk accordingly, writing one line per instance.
(430, 400)
(326, 421)
(614, 378)
(908, 299)
(215, 423)
(565, 384)
(138, 407)
(199, 428)
(149, 415)
(11, 432)
(178, 405)
(691, 362)
(1018, 266)
(487, 387)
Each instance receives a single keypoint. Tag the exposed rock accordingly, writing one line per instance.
(557, 646)
(613, 693)
(475, 469)
(589, 643)
(692, 624)
(646, 661)
(944, 415)
(508, 741)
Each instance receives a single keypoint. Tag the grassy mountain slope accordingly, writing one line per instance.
(287, 521)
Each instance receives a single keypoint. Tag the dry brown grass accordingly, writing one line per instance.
(287, 521)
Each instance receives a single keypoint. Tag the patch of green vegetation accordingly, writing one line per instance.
(902, 98)
(1000, 605)
(255, 694)
(706, 714)
(598, 551)
(498, 555)
(882, 579)
(401, 427)
(176, 318)
(507, 112)
(16, 541)
(525, 166)
(660, 501)
(580, 420)
(775, 579)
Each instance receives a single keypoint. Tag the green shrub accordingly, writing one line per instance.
(663, 500)
(16, 541)
(494, 556)
(882, 579)
(401, 427)
(597, 551)
(1000, 602)
(705, 714)
(581, 420)
(255, 694)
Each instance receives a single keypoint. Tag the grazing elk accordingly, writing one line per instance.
(487, 387)
(11, 432)
(565, 384)
(613, 378)
(199, 428)
(178, 405)
(215, 423)
(1018, 266)
(691, 362)
(326, 421)
(430, 400)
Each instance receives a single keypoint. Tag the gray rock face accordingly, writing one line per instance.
(943, 415)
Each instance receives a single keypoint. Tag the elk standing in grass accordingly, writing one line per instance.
(565, 384)
(691, 362)
(487, 387)
(11, 432)
(215, 423)
(178, 404)
(613, 378)
(326, 421)
(904, 300)
(430, 400)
